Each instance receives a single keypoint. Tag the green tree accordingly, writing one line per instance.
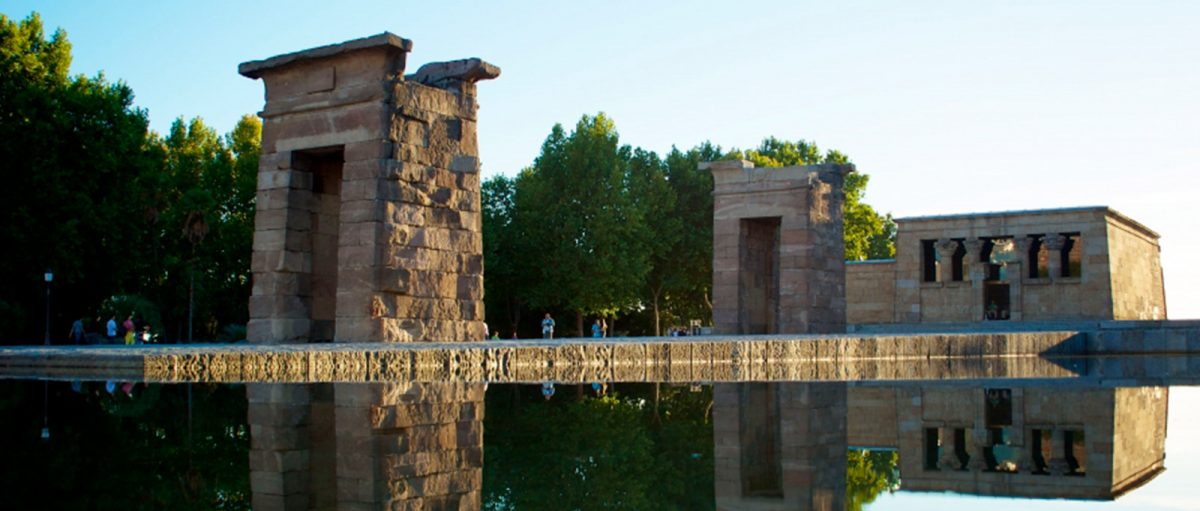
(587, 453)
(584, 245)
(686, 271)
(868, 474)
(868, 234)
(154, 448)
(652, 195)
(204, 223)
(502, 257)
(74, 151)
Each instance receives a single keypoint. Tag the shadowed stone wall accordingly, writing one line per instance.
(366, 446)
(777, 248)
(368, 210)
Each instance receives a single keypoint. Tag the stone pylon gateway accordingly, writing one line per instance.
(368, 209)
(778, 249)
(367, 230)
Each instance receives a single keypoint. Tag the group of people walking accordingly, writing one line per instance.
(126, 332)
(599, 328)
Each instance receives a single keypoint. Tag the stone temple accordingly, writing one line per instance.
(1069, 264)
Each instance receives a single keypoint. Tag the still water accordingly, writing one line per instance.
(1071, 443)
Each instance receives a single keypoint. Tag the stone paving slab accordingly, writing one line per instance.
(664, 359)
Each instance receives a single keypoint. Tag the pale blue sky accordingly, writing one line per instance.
(949, 106)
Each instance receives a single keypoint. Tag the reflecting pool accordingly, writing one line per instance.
(1115, 434)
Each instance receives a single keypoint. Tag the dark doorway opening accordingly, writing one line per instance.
(761, 460)
(758, 276)
(995, 301)
(325, 169)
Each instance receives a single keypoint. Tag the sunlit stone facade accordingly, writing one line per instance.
(1089, 263)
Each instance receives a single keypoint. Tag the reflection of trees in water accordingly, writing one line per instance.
(612, 452)
(114, 451)
(868, 474)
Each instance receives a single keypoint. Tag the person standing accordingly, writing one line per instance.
(77, 331)
(597, 329)
(548, 327)
(110, 329)
(130, 329)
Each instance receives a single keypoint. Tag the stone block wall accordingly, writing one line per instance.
(281, 447)
(368, 208)
(1137, 276)
(409, 446)
(778, 253)
(366, 446)
(870, 292)
(1048, 296)
(1140, 448)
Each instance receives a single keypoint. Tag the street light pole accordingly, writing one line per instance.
(49, 278)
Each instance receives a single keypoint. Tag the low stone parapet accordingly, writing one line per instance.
(666, 359)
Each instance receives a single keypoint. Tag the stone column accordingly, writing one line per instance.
(1022, 245)
(976, 272)
(1054, 245)
(945, 250)
(977, 445)
(1057, 465)
(1016, 276)
(949, 459)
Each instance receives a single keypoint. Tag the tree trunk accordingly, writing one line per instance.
(654, 298)
(514, 316)
(579, 322)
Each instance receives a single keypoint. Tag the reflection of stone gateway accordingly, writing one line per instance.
(367, 230)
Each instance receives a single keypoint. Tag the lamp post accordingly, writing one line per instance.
(46, 411)
(49, 278)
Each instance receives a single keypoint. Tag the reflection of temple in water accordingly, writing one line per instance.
(783, 445)
(366, 446)
(1055, 442)
(780, 445)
